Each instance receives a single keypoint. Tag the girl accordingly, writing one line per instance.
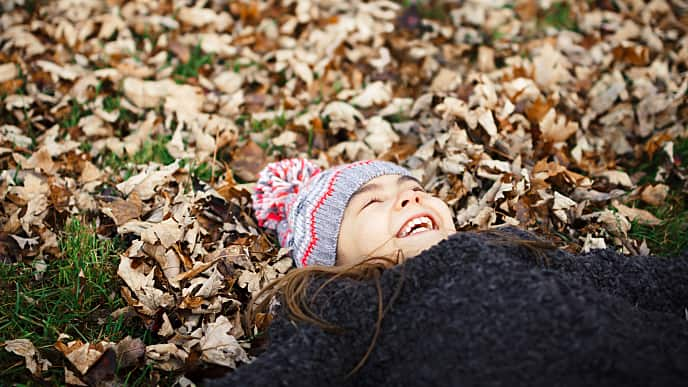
(469, 308)
(348, 213)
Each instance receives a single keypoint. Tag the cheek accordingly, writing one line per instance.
(372, 228)
(446, 213)
(365, 226)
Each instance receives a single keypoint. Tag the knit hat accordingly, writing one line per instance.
(305, 205)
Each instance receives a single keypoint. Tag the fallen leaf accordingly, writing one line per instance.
(248, 161)
(633, 54)
(562, 202)
(593, 244)
(24, 242)
(121, 211)
(380, 136)
(342, 115)
(72, 379)
(166, 356)
(615, 223)
(655, 195)
(556, 128)
(219, 347)
(376, 93)
(41, 161)
(168, 232)
(145, 183)
(617, 177)
(82, 355)
(89, 173)
(24, 347)
(198, 268)
(129, 352)
(8, 71)
(103, 369)
(637, 214)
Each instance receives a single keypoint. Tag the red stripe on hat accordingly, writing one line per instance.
(328, 192)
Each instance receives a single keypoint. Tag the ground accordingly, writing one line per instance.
(131, 134)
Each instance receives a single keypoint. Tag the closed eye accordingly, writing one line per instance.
(371, 201)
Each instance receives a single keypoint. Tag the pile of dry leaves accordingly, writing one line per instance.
(514, 113)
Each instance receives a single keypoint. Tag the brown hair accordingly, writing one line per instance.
(293, 288)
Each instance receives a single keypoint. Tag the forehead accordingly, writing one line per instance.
(390, 180)
(384, 182)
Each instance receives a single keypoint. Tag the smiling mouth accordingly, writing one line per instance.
(416, 225)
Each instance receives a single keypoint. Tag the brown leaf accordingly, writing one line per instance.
(551, 169)
(537, 110)
(656, 142)
(166, 356)
(642, 216)
(219, 347)
(82, 355)
(102, 370)
(59, 196)
(146, 182)
(198, 268)
(8, 71)
(72, 379)
(655, 195)
(248, 12)
(526, 9)
(11, 86)
(617, 177)
(122, 211)
(399, 152)
(634, 55)
(190, 302)
(556, 127)
(129, 352)
(24, 347)
(248, 160)
(180, 50)
(41, 161)
(89, 173)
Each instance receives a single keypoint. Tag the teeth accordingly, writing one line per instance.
(423, 221)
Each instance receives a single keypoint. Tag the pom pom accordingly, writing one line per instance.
(276, 188)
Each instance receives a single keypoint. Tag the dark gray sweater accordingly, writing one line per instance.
(472, 312)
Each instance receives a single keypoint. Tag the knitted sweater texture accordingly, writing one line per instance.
(471, 312)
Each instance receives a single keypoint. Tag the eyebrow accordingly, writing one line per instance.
(374, 186)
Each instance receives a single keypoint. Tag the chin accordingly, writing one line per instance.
(420, 246)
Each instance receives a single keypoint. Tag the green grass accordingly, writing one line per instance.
(250, 125)
(154, 151)
(112, 101)
(29, 6)
(239, 64)
(76, 112)
(560, 17)
(428, 9)
(670, 237)
(650, 167)
(204, 171)
(61, 301)
(151, 151)
(190, 68)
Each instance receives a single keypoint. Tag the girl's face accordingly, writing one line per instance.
(391, 214)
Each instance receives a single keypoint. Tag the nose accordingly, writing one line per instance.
(407, 197)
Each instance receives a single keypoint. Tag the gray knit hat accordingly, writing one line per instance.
(305, 205)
